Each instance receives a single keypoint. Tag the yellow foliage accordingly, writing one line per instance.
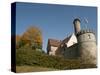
(33, 34)
(18, 38)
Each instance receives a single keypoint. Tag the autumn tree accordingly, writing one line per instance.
(32, 37)
(18, 39)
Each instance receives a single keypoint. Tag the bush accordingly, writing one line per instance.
(26, 56)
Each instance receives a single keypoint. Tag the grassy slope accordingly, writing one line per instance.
(20, 69)
(38, 61)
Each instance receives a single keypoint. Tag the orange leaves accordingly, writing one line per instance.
(18, 38)
(38, 39)
(32, 35)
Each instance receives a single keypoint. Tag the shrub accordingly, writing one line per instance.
(26, 56)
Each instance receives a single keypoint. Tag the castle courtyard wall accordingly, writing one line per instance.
(71, 52)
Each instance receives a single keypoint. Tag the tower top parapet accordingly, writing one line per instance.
(83, 31)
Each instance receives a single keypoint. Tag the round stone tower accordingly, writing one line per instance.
(77, 27)
(86, 43)
(87, 46)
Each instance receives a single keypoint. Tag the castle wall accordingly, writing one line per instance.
(71, 52)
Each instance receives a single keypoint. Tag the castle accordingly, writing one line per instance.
(81, 44)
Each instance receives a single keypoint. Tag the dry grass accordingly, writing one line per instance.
(20, 69)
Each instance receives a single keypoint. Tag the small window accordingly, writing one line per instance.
(89, 36)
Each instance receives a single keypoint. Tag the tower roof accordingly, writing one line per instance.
(77, 19)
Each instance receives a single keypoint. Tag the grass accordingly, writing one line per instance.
(25, 68)
(21, 69)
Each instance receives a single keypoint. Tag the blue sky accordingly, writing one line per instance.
(55, 21)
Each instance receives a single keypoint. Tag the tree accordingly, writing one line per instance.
(33, 37)
(18, 39)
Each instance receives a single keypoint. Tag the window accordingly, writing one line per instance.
(89, 36)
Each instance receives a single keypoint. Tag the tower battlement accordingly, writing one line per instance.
(85, 31)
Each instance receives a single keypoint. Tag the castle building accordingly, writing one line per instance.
(53, 46)
(81, 44)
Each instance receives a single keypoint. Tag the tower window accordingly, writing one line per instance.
(89, 36)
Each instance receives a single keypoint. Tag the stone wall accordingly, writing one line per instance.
(87, 47)
(71, 52)
(88, 52)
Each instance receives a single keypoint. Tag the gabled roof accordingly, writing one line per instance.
(54, 42)
(58, 43)
(69, 40)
